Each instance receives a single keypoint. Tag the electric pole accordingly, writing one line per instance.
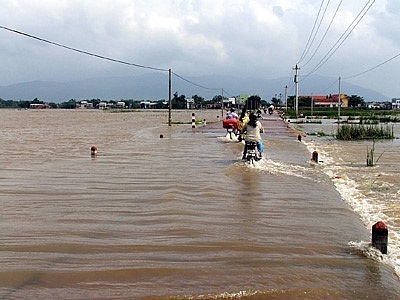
(286, 96)
(169, 98)
(296, 81)
(222, 104)
(339, 103)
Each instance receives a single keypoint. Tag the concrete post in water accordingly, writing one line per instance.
(193, 121)
(93, 150)
(380, 236)
(315, 156)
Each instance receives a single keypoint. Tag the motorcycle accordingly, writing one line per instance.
(231, 132)
(251, 155)
(231, 128)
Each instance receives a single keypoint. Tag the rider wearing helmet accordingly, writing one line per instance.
(232, 114)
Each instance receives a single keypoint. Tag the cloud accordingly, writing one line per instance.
(197, 37)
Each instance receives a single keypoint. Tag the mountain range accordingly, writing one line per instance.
(154, 86)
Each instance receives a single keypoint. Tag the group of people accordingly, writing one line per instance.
(249, 128)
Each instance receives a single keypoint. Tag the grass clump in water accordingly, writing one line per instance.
(364, 132)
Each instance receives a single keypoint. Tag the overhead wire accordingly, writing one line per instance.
(310, 37)
(81, 51)
(324, 35)
(102, 56)
(339, 42)
(343, 37)
(319, 25)
(193, 83)
(373, 68)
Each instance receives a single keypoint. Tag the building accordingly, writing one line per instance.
(103, 105)
(190, 103)
(39, 106)
(147, 104)
(328, 100)
(396, 103)
(86, 104)
(230, 102)
(120, 104)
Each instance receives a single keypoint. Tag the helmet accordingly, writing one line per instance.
(232, 109)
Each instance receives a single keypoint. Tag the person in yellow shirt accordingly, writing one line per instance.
(243, 119)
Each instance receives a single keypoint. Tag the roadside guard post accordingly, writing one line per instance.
(315, 156)
(380, 236)
(193, 121)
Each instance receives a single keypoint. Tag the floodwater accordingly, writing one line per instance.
(170, 212)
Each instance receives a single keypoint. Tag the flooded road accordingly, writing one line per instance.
(178, 217)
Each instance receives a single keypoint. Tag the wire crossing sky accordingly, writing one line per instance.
(104, 57)
(357, 40)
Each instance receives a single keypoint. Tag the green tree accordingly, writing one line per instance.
(24, 104)
(71, 104)
(275, 101)
(53, 105)
(8, 104)
(198, 101)
(253, 102)
(217, 99)
(178, 102)
(37, 101)
(356, 101)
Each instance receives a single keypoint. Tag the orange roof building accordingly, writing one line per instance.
(329, 100)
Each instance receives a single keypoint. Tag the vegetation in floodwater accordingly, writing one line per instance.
(382, 116)
(319, 133)
(364, 132)
(376, 119)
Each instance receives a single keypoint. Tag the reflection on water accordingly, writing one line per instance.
(178, 216)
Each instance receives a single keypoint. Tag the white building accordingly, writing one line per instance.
(396, 103)
(102, 105)
(120, 104)
(190, 103)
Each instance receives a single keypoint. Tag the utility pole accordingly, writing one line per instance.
(296, 81)
(170, 98)
(312, 105)
(339, 103)
(222, 104)
(286, 96)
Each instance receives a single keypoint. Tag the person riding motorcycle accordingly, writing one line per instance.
(243, 119)
(232, 114)
(253, 129)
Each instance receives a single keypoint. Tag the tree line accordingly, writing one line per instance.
(177, 102)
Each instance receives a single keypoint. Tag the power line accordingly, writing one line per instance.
(320, 22)
(102, 57)
(344, 36)
(81, 51)
(373, 68)
(308, 44)
(195, 84)
(323, 37)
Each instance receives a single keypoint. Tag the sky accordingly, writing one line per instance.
(357, 41)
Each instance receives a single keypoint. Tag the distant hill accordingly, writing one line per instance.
(154, 86)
